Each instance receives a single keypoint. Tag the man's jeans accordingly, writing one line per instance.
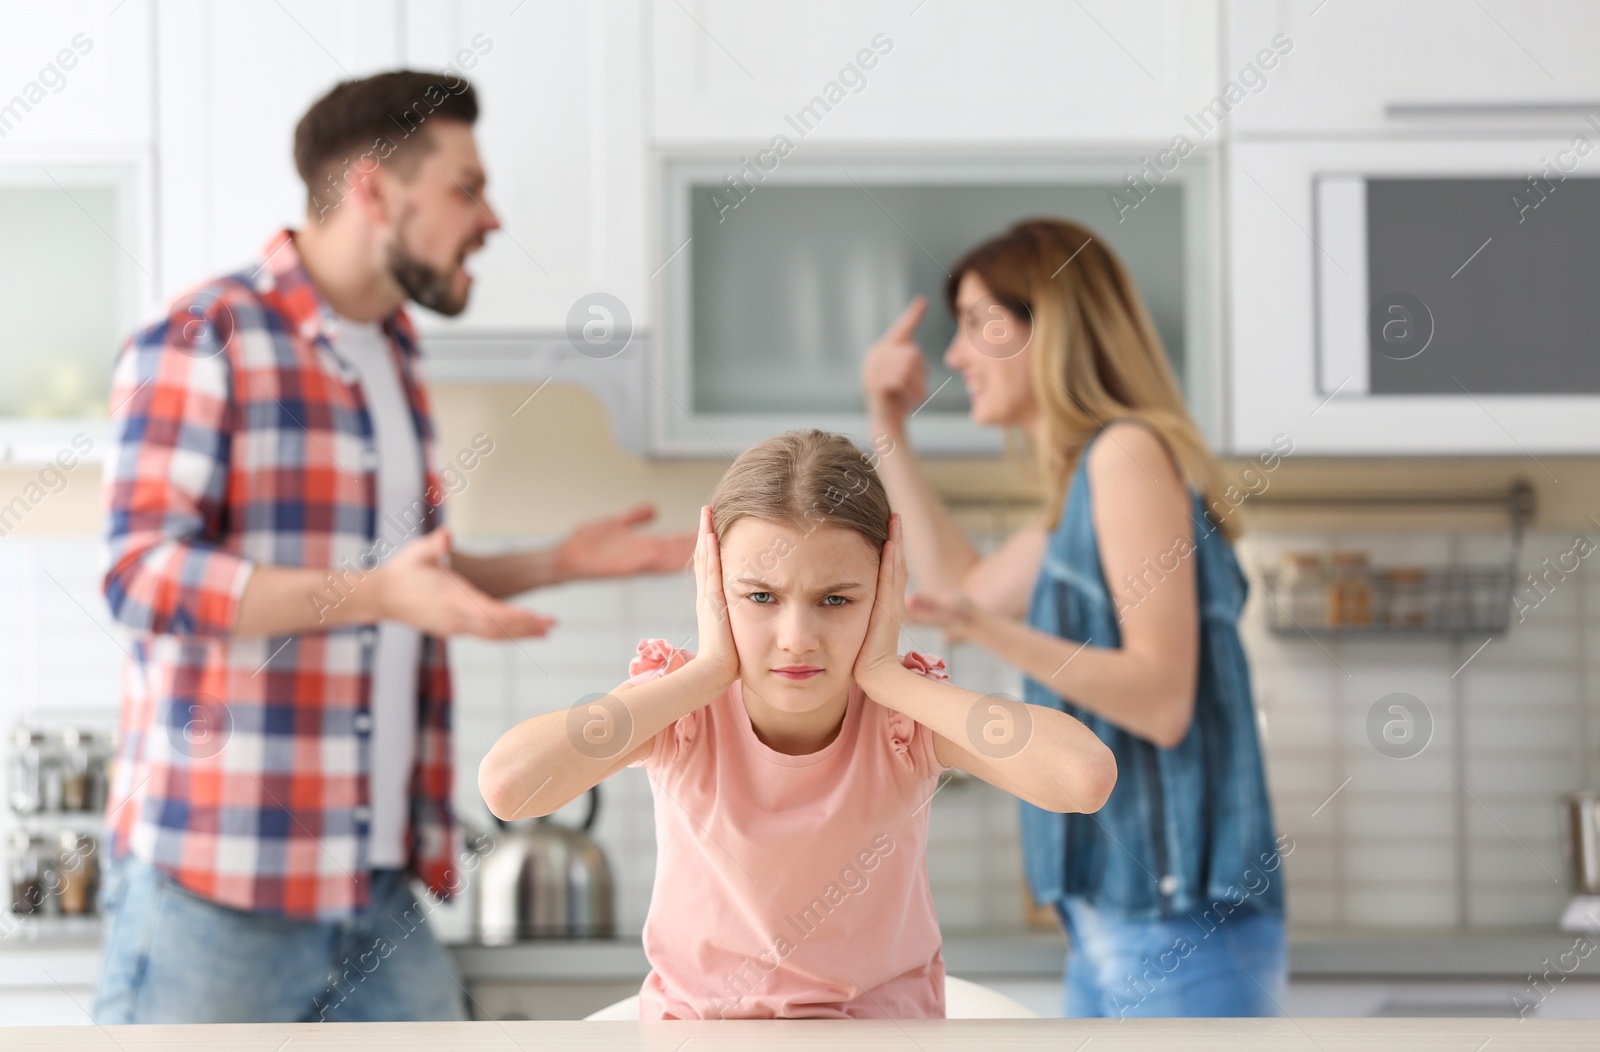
(1234, 965)
(174, 957)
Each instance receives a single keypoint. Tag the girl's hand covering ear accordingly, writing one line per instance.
(880, 650)
(716, 650)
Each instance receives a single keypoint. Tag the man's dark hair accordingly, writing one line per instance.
(378, 119)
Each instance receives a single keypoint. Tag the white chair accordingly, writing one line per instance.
(962, 1000)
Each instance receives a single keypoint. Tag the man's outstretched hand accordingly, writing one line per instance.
(612, 547)
(418, 586)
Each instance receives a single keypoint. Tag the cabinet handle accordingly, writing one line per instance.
(1404, 110)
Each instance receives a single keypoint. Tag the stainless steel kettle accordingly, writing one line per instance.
(545, 880)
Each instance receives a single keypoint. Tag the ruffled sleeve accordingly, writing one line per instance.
(655, 658)
(911, 741)
(930, 665)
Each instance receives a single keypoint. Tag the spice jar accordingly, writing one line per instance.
(1349, 591)
(27, 777)
(31, 876)
(1302, 578)
(79, 870)
(99, 778)
(77, 753)
(52, 784)
(1407, 601)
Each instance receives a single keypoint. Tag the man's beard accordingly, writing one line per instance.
(424, 283)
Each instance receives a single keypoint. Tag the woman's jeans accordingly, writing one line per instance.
(174, 957)
(1230, 965)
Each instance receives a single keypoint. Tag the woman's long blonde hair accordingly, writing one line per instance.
(1096, 354)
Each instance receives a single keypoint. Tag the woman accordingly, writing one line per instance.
(1171, 896)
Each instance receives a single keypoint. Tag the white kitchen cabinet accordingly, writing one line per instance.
(77, 262)
(47, 1005)
(1375, 66)
(905, 72)
(561, 133)
(47, 982)
(235, 79)
(1278, 250)
(78, 77)
(559, 92)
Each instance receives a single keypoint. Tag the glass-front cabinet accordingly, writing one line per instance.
(75, 277)
(782, 278)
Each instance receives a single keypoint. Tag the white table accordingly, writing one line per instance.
(1054, 1035)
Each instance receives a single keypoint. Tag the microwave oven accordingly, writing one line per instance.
(1417, 296)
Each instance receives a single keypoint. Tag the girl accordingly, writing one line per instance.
(1131, 595)
(793, 757)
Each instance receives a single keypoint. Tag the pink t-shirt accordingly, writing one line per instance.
(790, 886)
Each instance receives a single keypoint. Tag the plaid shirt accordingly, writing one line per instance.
(241, 439)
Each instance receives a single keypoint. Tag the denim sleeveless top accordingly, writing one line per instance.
(1187, 828)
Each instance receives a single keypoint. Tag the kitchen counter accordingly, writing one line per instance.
(1313, 954)
(1330, 954)
(1268, 1035)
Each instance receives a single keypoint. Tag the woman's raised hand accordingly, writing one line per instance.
(894, 375)
(953, 612)
(717, 651)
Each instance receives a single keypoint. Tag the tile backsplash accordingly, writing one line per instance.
(1467, 834)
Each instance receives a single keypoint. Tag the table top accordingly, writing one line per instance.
(926, 1035)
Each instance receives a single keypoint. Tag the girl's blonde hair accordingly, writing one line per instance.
(804, 479)
(1096, 354)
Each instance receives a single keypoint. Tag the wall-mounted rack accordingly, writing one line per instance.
(1338, 593)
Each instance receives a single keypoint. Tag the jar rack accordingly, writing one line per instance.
(55, 802)
(1343, 596)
